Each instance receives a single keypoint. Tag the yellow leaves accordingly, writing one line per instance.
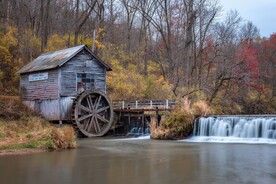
(29, 43)
(1, 75)
(157, 88)
(100, 33)
(8, 39)
(5, 67)
(99, 44)
(56, 42)
(153, 67)
(88, 40)
(5, 56)
(124, 84)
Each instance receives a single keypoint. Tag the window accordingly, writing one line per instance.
(85, 81)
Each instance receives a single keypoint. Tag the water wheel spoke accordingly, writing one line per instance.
(87, 124)
(102, 109)
(98, 102)
(85, 117)
(84, 108)
(90, 124)
(102, 119)
(89, 102)
(96, 125)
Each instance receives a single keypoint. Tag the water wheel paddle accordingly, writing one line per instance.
(92, 113)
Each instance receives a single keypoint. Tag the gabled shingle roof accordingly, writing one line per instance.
(56, 59)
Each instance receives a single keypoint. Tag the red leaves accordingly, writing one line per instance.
(248, 57)
(269, 48)
(270, 43)
(258, 87)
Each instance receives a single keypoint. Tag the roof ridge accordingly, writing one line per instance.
(62, 50)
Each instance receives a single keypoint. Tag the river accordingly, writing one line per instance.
(144, 161)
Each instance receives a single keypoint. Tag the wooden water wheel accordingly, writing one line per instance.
(92, 113)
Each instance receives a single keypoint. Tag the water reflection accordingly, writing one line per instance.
(144, 161)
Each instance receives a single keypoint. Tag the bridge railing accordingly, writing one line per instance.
(150, 104)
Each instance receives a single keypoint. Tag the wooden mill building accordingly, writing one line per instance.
(49, 83)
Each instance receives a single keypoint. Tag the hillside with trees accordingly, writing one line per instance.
(158, 49)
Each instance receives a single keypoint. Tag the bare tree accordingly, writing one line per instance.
(129, 6)
(249, 31)
(226, 63)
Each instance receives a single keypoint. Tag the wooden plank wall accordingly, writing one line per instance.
(53, 110)
(42, 89)
(81, 63)
(66, 104)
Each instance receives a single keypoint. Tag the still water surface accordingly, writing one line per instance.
(100, 161)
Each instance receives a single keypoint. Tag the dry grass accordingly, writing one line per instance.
(11, 108)
(179, 123)
(201, 108)
(63, 138)
(153, 124)
(35, 132)
(21, 128)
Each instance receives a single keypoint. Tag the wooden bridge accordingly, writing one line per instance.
(150, 105)
(134, 117)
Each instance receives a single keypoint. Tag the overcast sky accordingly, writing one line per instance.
(261, 12)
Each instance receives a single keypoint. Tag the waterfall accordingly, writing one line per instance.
(138, 130)
(235, 128)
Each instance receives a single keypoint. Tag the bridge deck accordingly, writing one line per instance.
(139, 106)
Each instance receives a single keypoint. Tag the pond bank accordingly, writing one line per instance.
(21, 151)
(21, 129)
(35, 133)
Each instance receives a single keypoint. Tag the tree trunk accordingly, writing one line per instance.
(42, 24)
(44, 21)
(76, 36)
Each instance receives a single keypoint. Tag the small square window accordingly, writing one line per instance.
(85, 81)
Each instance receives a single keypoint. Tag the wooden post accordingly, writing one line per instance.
(123, 104)
(167, 104)
(136, 104)
(153, 122)
(143, 122)
(128, 123)
(59, 108)
(151, 104)
(157, 114)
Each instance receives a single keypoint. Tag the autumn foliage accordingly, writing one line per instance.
(159, 50)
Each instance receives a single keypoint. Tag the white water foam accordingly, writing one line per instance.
(147, 137)
(213, 139)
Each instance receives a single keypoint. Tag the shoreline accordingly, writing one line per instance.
(23, 151)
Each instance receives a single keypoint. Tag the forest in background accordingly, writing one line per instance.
(158, 49)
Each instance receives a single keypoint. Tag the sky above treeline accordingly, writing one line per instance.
(261, 12)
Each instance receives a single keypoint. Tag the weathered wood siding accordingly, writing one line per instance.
(53, 110)
(41, 89)
(66, 107)
(81, 63)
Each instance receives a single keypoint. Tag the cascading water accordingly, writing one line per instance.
(140, 131)
(247, 129)
(137, 128)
